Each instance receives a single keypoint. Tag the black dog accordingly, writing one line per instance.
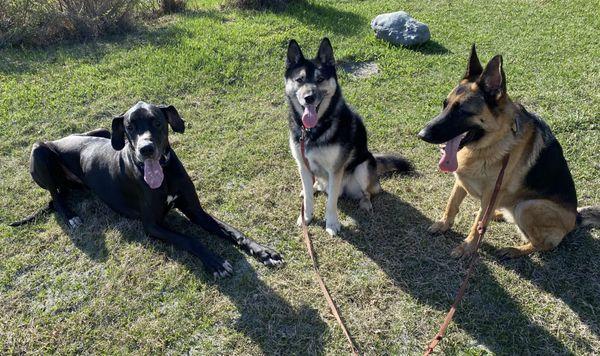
(138, 175)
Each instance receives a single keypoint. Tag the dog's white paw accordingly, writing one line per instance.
(299, 221)
(75, 222)
(333, 227)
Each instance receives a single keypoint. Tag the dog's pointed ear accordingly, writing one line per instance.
(493, 81)
(294, 54)
(173, 117)
(474, 68)
(117, 137)
(325, 54)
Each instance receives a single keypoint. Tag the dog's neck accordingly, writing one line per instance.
(506, 138)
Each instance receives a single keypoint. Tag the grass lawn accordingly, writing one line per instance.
(107, 288)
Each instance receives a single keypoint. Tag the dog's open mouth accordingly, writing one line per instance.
(309, 116)
(153, 173)
(449, 161)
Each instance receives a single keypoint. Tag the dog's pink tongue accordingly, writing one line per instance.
(153, 173)
(309, 117)
(449, 162)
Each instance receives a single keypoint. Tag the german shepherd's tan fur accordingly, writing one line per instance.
(543, 206)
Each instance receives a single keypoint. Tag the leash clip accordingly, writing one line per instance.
(303, 133)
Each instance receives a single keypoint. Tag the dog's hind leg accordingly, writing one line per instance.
(543, 223)
(366, 177)
(46, 171)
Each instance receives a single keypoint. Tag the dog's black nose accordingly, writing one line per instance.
(147, 149)
(309, 99)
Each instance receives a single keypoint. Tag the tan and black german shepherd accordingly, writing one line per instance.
(479, 125)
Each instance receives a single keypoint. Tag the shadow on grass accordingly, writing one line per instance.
(395, 237)
(30, 60)
(430, 47)
(570, 272)
(265, 317)
(327, 18)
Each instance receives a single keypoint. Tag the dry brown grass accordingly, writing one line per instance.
(42, 22)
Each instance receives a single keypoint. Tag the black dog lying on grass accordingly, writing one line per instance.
(137, 174)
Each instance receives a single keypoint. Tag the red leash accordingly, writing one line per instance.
(311, 253)
(481, 229)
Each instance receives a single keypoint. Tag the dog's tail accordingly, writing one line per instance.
(48, 208)
(391, 163)
(588, 216)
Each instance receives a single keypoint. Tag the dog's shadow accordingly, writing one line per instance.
(395, 237)
(570, 272)
(266, 318)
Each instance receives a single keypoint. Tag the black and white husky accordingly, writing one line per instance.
(336, 138)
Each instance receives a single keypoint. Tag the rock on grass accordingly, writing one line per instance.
(400, 28)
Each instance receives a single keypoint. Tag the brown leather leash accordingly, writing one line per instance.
(481, 229)
(311, 253)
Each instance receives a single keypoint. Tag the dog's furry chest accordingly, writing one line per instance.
(325, 159)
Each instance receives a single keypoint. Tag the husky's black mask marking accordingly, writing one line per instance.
(310, 84)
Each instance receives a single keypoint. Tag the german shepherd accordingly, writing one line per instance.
(335, 136)
(479, 125)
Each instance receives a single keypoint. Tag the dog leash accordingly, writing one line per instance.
(311, 253)
(481, 229)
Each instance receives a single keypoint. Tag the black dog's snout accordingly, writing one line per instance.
(147, 149)
(309, 99)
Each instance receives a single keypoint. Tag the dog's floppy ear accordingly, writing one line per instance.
(117, 137)
(325, 54)
(294, 54)
(173, 117)
(493, 81)
(474, 68)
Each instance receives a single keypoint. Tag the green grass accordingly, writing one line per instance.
(107, 288)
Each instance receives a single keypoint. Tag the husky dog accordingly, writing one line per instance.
(479, 125)
(335, 136)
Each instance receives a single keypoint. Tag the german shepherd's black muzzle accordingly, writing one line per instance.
(443, 128)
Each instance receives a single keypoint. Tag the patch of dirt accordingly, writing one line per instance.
(360, 69)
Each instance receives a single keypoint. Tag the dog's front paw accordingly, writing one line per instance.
(217, 266)
(266, 256)
(508, 253)
(463, 250)
(75, 222)
(366, 205)
(307, 218)
(333, 226)
(438, 227)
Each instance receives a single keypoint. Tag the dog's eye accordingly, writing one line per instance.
(320, 79)
(300, 80)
